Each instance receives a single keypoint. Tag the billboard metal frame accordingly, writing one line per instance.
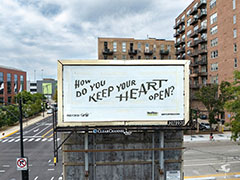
(62, 63)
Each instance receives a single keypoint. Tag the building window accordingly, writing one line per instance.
(188, 22)
(123, 57)
(9, 83)
(189, 33)
(189, 43)
(188, 13)
(124, 47)
(154, 57)
(214, 67)
(1, 83)
(9, 99)
(213, 18)
(214, 54)
(139, 46)
(214, 30)
(162, 47)
(114, 46)
(235, 63)
(235, 47)
(169, 47)
(169, 57)
(214, 42)
(146, 47)
(15, 83)
(213, 3)
(234, 19)
(139, 57)
(214, 79)
(114, 57)
(21, 83)
(235, 33)
(234, 4)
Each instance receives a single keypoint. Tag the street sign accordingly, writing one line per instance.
(173, 175)
(22, 164)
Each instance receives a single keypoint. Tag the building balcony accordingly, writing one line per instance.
(202, 29)
(194, 64)
(194, 43)
(182, 21)
(132, 52)
(194, 54)
(194, 20)
(203, 51)
(204, 73)
(182, 30)
(177, 34)
(194, 75)
(177, 52)
(107, 52)
(194, 34)
(182, 50)
(148, 52)
(194, 11)
(177, 44)
(182, 41)
(203, 40)
(183, 56)
(202, 3)
(176, 26)
(202, 14)
(164, 52)
(203, 62)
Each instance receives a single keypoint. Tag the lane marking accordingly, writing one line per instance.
(30, 139)
(9, 134)
(47, 133)
(42, 131)
(51, 164)
(44, 139)
(50, 135)
(38, 139)
(36, 130)
(17, 140)
(6, 166)
(208, 164)
(5, 140)
(2, 171)
(203, 178)
(50, 139)
(36, 178)
(52, 178)
(60, 178)
(25, 140)
(50, 169)
(11, 140)
(49, 160)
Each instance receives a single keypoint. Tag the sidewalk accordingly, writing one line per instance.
(14, 129)
(206, 137)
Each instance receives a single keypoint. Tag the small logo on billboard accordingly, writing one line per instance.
(112, 131)
(152, 113)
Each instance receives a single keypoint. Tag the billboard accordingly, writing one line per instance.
(47, 88)
(122, 92)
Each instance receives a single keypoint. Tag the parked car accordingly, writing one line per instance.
(204, 126)
(49, 111)
(203, 116)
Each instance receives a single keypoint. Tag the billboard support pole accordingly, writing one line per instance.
(86, 154)
(153, 157)
(161, 158)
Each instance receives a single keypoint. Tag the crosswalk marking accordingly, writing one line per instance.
(8, 140)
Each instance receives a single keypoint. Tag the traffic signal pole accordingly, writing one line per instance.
(25, 175)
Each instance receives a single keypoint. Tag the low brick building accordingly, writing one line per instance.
(12, 81)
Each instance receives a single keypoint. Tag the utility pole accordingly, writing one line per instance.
(25, 175)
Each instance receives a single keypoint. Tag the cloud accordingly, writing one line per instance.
(36, 33)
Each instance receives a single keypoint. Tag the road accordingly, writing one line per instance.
(212, 159)
(38, 147)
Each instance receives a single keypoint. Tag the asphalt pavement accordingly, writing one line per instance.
(38, 148)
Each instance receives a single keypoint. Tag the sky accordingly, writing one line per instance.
(36, 33)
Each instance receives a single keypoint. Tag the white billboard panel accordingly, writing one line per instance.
(112, 92)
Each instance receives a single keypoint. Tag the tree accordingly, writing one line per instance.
(233, 105)
(214, 97)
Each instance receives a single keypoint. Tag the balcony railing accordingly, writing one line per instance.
(202, 13)
(195, 43)
(177, 52)
(182, 30)
(194, 64)
(202, 29)
(194, 11)
(194, 34)
(194, 20)
(203, 51)
(164, 52)
(203, 40)
(177, 44)
(203, 62)
(182, 41)
(182, 50)
(107, 52)
(148, 52)
(203, 73)
(202, 3)
(132, 52)
(193, 54)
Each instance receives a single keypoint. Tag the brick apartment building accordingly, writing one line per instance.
(207, 33)
(130, 48)
(11, 82)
